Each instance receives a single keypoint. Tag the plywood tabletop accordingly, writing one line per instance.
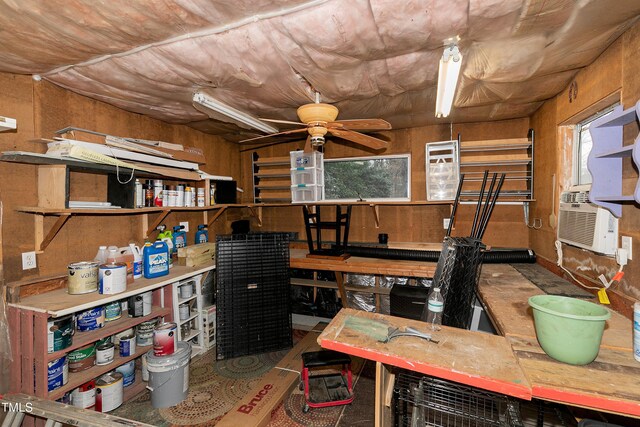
(610, 383)
(385, 267)
(59, 303)
(473, 358)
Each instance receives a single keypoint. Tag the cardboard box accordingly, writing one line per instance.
(256, 407)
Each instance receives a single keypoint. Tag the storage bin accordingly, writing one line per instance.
(307, 176)
(443, 170)
(306, 193)
(300, 159)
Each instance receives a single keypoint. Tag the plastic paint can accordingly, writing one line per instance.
(82, 358)
(105, 354)
(112, 278)
(57, 373)
(90, 320)
(128, 371)
(147, 302)
(144, 332)
(186, 291)
(127, 345)
(84, 396)
(183, 310)
(169, 376)
(59, 333)
(109, 392)
(82, 278)
(136, 306)
(165, 339)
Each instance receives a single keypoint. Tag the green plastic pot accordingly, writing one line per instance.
(568, 329)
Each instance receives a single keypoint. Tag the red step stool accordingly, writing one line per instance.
(321, 391)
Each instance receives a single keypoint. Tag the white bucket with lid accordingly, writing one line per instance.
(169, 376)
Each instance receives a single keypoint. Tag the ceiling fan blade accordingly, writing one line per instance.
(287, 122)
(273, 134)
(359, 138)
(361, 124)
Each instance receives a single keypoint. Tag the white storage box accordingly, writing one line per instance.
(209, 326)
(307, 176)
(306, 193)
(300, 159)
(443, 170)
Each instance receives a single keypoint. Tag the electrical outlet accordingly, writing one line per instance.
(185, 224)
(627, 244)
(445, 223)
(28, 260)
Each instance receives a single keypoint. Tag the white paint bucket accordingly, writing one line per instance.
(109, 392)
(112, 278)
(147, 302)
(105, 353)
(84, 396)
(169, 376)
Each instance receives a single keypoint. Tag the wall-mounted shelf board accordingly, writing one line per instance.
(7, 123)
(605, 159)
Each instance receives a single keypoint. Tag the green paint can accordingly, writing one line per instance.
(60, 333)
(82, 358)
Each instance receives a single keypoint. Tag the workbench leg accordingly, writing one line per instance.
(343, 293)
(384, 380)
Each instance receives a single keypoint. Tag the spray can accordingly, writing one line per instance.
(139, 194)
(179, 238)
(166, 237)
(202, 235)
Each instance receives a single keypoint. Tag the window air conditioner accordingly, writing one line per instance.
(586, 225)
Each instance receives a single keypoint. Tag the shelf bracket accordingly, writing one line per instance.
(156, 222)
(216, 216)
(376, 214)
(43, 241)
(256, 212)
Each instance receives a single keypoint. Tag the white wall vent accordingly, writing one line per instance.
(586, 225)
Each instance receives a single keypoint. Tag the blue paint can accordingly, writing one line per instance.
(90, 320)
(127, 345)
(128, 371)
(112, 311)
(57, 373)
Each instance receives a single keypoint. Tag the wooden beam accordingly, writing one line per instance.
(256, 212)
(217, 215)
(376, 214)
(156, 222)
(38, 222)
(343, 293)
(54, 230)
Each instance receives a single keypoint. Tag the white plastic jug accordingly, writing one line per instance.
(137, 260)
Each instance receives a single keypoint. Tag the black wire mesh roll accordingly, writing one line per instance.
(493, 256)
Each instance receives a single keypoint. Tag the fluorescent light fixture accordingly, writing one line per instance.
(206, 104)
(447, 79)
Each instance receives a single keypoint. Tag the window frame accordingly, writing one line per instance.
(576, 185)
(365, 158)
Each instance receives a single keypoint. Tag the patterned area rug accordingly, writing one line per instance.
(215, 387)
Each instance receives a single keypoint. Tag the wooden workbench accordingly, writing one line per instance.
(512, 364)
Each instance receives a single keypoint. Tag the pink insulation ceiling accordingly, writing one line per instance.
(371, 58)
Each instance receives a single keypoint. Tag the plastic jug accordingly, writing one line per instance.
(179, 237)
(137, 260)
(202, 235)
(155, 258)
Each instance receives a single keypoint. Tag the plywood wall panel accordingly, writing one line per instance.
(41, 108)
(595, 82)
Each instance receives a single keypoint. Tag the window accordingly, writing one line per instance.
(582, 148)
(373, 178)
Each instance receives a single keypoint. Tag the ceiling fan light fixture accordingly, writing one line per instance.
(318, 112)
(448, 73)
(205, 103)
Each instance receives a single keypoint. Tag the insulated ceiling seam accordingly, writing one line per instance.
(193, 35)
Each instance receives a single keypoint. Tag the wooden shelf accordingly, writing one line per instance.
(80, 339)
(271, 178)
(274, 161)
(59, 303)
(76, 379)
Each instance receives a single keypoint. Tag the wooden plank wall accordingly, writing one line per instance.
(613, 76)
(405, 223)
(42, 108)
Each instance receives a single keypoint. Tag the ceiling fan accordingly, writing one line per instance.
(319, 119)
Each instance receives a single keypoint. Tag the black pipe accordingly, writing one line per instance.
(452, 218)
(493, 204)
(475, 216)
(493, 256)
